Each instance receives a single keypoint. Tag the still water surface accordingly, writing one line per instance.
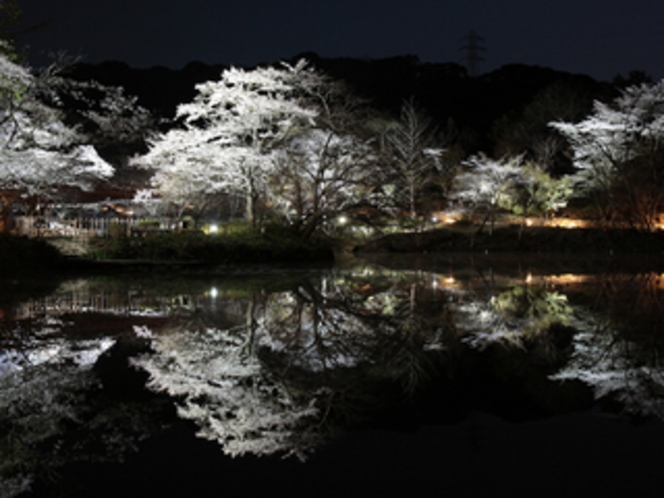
(374, 378)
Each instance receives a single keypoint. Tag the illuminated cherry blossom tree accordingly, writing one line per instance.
(228, 134)
(618, 154)
(39, 153)
(486, 184)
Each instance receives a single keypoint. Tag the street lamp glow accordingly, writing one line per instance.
(214, 228)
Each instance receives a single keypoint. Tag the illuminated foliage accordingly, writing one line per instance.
(229, 132)
(39, 153)
(538, 193)
(487, 184)
(618, 155)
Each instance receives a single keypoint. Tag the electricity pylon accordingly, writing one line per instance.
(473, 52)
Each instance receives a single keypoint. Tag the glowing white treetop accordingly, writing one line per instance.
(486, 183)
(618, 153)
(38, 152)
(229, 131)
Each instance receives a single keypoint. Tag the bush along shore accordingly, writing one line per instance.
(23, 255)
(269, 245)
(512, 239)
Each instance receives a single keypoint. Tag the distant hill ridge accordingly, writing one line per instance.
(443, 90)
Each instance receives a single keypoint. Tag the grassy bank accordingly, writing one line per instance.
(23, 256)
(531, 240)
(242, 245)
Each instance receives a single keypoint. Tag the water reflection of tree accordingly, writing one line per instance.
(634, 303)
(615, 325)
(266, 371)
(616, 364)
(225, 390)
(53, 411)
(358, 322)
(522, 316)
(300, 362)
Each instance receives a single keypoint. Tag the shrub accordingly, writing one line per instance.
(22, 255)
(240, 244)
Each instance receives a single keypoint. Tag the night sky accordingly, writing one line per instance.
(596, 37)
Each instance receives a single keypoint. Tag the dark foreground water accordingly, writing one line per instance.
(447, 377)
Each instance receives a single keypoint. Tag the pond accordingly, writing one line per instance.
(455, 375)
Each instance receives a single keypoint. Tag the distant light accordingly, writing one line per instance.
(529, 278)
(343, 220)
(214, 228)
(434, 220)
(214, 292)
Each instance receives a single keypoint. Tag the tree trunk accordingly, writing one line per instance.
(413, 213)
(251, 209)
(6, 210)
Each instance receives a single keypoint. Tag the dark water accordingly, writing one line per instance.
(448, 377)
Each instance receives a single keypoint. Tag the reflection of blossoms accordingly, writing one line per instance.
(511, 317)
(251, 388)
(42, 390)
(228, 394)
(616, 368)
(484, 326)
(35, 404)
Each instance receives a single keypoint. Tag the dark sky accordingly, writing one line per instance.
(596, 37)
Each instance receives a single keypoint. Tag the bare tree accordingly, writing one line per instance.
(412, 153)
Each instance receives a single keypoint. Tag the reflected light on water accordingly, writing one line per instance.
(282, 363)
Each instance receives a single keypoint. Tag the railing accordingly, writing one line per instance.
(51, 226)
